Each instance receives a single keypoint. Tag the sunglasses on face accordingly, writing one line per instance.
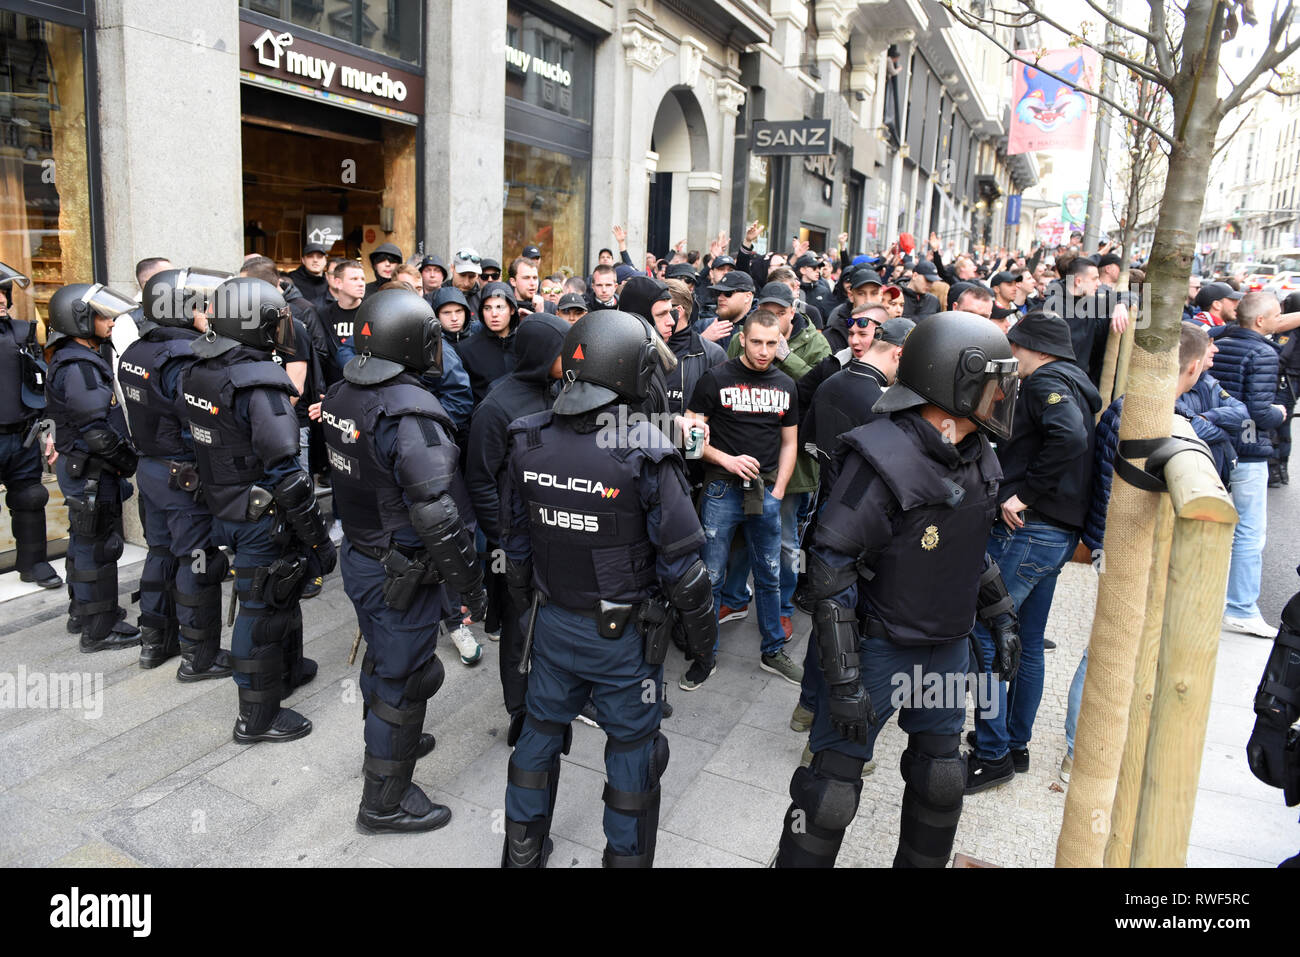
(863, 322)
(388, 259)
(733, 292)
(550, 290)
(489, 275)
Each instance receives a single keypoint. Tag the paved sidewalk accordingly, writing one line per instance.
(156, 780)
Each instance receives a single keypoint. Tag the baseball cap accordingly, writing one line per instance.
(467, 261)
(926, 270)
(683, 271)
(1004, 276)
(863, 276)
(777, 292)
(623, 272)
(491, 264)
(315, 248)
(891, 292)
(1212, 292)
(1043, 332)
(721, 261)
(807, 259)
(735, 281)
(894, 331)
(531, 252)
(571, 300)
(1110, 259)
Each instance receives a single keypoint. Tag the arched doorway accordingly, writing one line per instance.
(681, 141)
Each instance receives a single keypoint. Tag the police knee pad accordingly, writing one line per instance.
(270, 625)
(213, 569)
(828, 790)
(27, 498)
(552, 729)
(932, 765)
(108, 549)
(659, 752)
(424, 684)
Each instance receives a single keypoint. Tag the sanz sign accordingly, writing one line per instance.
(790, 138)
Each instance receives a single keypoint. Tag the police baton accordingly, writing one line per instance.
(528, 633)
(356, 643)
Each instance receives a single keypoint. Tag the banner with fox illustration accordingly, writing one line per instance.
(1047, 114)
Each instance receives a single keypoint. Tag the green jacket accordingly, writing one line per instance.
(807, 348)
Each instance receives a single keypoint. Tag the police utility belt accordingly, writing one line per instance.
(406, 571)
(653, 617)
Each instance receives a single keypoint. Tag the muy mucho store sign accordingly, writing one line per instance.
(285, 56)
(526, 62)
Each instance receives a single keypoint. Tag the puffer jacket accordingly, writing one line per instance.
(1247, 367)
(1217, 419)
(1103, 470)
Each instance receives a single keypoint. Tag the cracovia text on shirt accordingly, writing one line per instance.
(75, 910)
(743, 398)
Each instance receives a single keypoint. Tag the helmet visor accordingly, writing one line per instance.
(201, 281)
(8, 274)
(996, 407)
(666, 357)
(107, 303)
(282, 337)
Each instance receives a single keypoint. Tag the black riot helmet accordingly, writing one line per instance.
(248, 312)
(73, 308)
(606, 356)
(396, 331)
(170, 297)
(961, 363)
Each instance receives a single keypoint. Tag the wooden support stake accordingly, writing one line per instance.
(1124, 811)
(1180, 708)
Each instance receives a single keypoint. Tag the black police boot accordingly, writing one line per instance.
(393, 804)
(526, 845)
(425, 746)
(1274, 475)
(1283, 474)
(28, 528)
(197, 665)
(158, 645)
(99, 635)
(262, 719)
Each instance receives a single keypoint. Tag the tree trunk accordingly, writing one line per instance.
(1148, 411)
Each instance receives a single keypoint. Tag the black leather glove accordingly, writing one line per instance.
(851, 713)
(1005, 630)
(476, 603)
(321, 559)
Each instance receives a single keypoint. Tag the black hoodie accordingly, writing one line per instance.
(485, 355)
(312, 287)
(524, 391)
(1048, 460)
(450, 294)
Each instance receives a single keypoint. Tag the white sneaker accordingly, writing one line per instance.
(470, 650)
(1250, 626)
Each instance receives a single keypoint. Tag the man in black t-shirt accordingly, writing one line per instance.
(753, 413)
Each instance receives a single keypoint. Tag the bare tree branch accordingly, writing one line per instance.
(1271, 58)
(1161, 43)
(1126, 27)
(1136, 66)
(1229, 137)
(977, 25)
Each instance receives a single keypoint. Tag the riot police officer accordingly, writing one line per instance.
(400, 498)
(95, 458)
(602, 543)
(22, 398)
(913, 504)
(180, 585)
(262, 501)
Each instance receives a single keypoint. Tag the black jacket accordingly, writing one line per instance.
(1048, 460)
(695, 355)
(312, 287)
(523, 392)
(836, 330)
(486, 355)
(918, 305)
(817, 294)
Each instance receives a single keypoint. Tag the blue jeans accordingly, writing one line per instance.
(721, 512)
(304, 447)
(1072, 703)
(1250, 496)
(1030, 559)
(794, 513)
